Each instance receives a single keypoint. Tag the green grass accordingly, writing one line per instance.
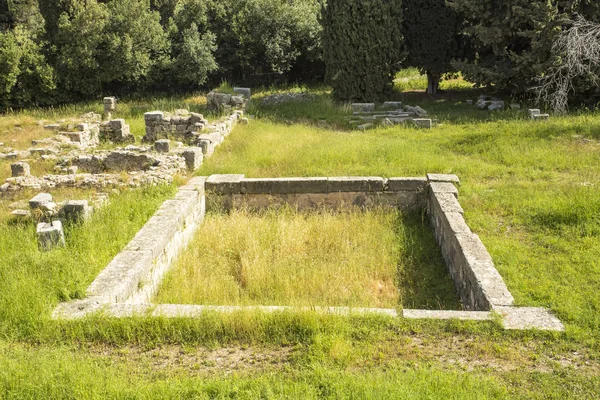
(531, 191)
(376, 258)
(410, 79)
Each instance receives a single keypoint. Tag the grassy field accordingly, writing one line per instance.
(376, 258)
(530, 190)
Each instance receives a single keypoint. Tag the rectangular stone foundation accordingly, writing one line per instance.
(126, 286)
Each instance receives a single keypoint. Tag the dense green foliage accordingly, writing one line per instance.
(513, 38)
(362, 45)
(60, 51)
(433, 35)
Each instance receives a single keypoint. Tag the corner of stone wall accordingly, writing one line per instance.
(477, 281)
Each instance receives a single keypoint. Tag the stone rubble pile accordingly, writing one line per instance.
(390, 113)
(225, 102)
(84, 167)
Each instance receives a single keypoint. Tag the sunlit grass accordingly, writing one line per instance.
(352, 258)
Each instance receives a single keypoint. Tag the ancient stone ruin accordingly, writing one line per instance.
(390, 113)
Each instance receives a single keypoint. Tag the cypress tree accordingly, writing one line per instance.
(433, 37)
(362, 45)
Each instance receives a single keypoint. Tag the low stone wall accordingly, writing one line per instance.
(191, 129)
(126, 286)
(132, 277)
(477, 281)
(225, 192)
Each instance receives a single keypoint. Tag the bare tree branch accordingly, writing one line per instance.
(577, 50)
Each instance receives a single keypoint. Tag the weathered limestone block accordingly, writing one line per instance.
(50, 235)
(452, 178)
(406, 184)
(76, 210)
(246, 92)
(20, 169)
(444, 187)
(224, 183)
(355, 184)
(162, 145)
(110, 104)
(193, 158)
(363, 107)
(533, 111)
(394, 105)
(424, 123)
(196, 118)
(420, 112)
(364, 127)
(284, 185)
(541, 117)
(38, 200)
(237, 101)
(153, 117)
(129, 161)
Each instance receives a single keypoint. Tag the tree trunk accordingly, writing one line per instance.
(433, 83)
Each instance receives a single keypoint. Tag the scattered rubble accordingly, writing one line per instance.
(50, 235)
(390, 113)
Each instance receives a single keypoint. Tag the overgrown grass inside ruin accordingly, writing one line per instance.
(375, 258)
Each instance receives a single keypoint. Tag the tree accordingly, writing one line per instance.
(513, 38)
(577, 55)
(362, 46)
(433, 37)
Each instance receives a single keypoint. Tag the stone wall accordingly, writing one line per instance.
(116, 131)
(191, 129)
(478, 283)
(225, 192)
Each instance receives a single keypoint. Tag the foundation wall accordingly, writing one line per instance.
(478, 283)
(226, 192)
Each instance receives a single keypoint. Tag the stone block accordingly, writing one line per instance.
(364, 127)
(50, 235)
(423, 123)
(443, 187)
(76, 137)
(193, 158)
(406, 184)
(541, 117)
(363, 107)
(52, 127)
(153, 117)
(20, 169)
(162, 145)
(196, 118)
(533, 111)
(76, 210)
(529, 318)
(246, 92)
(39, 199)
(443, 178)
(392, 105)
(110, 104)
(117, 124)
(355, 184)
(284, 185)
(447, 202)
(224, 183)
(122, 277)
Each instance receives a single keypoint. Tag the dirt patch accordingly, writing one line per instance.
(198, 360)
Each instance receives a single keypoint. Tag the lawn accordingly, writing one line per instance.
(376, 258)
(530, 190)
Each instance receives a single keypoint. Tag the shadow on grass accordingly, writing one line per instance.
(319, 109)
(423, 277)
